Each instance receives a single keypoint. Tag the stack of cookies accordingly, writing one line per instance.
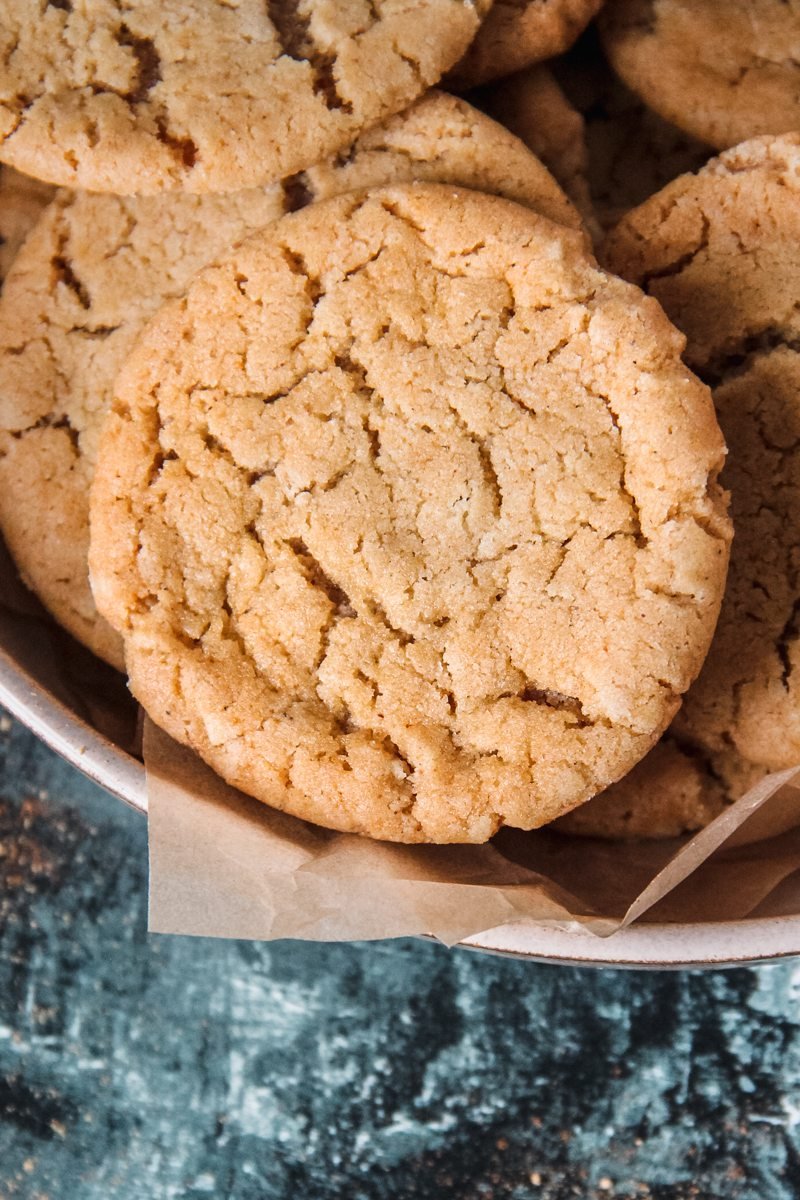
(320, 418)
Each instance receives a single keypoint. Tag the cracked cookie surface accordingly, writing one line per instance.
(99, 266)
(142, 96)
(407, 513)
(22, 201)
(720, 251)
(518, 33)
(723, 72)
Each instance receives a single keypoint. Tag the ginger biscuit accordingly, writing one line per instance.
(22, 200)
(99, 266)
(407, 515)
(139, 96)
(518, 33)
(720, 250)
(723, 72)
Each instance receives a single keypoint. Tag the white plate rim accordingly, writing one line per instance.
(729, 943)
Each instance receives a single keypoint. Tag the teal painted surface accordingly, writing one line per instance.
(146, 1068)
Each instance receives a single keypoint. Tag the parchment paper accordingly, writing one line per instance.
(226, 866)
(223, 865)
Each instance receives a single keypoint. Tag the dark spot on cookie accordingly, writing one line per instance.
(50, 421)
(66, 275)
(788, 635)
(345, 157)
(489, 475)
(71, 432)
(316, 575)
(345, 724)
(297, 192)
(294, 34)
(183, 148)
(551, 699)
(148, 64)
(95, 332)
(325, 82)
(291, 28)
(507, 313)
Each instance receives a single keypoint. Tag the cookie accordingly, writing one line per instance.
(604, 146)
(21, 202)
(631, 151)
(518, 33)
(669, 793)
(113, 97)
(440, 139)
(720, 250)
(533, 106)
(722, 72)
(407, 514)
(99, 266)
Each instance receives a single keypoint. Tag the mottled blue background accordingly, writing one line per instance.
(154, 1067)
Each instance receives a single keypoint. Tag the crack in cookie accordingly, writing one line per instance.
(148, 65)
(294, 31)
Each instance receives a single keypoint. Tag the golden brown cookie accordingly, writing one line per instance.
(631, 151)
(604, 146)
(672, 791)
(721, 251)
(518, 33)
(99, 266)
(440, 139)
(533, 106)
(407, 514)
(21, 202)
(723, 71)
(125, 96)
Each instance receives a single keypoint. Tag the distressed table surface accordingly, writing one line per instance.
(145, 1068)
